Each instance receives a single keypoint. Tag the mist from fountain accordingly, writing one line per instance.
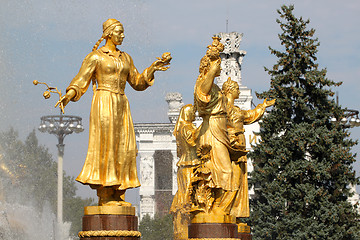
(19, 218)
(19, 222)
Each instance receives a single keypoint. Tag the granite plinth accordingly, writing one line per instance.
(213, 230)
(100, 224)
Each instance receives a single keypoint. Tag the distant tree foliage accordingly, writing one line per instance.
(303, 165)
(28, 175)
(159, 227)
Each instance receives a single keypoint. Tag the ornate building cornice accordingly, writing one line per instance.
(153, 128)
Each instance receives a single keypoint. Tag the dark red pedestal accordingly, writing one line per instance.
(109, 227)
(212, 230)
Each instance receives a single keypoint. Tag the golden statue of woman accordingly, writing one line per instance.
(186, 135)
(223, 130)
(237, 118)
(110, 165)
(210, 102)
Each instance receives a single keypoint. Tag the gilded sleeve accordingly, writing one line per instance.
(136, 80)
(189, 134)
(81, 81)
(203, 97)
(255, 114)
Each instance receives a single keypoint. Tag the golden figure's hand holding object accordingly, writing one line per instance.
(64, 100)
(215, 66)
(48, 92)
(162, 63)
(110, 165)
(217, 185)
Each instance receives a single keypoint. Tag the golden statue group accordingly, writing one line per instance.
(212, 170)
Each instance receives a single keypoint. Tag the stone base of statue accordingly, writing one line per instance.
(109, 223)
(213, 226)
(244, 232)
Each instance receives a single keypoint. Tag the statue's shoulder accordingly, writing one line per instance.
(93, 56)
(233, 111)
(237, 108)
(127, 56)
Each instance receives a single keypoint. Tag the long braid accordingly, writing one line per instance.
(98, 43)
(108, 28)
(94, 49)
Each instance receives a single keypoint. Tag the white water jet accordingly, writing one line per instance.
(19, 222)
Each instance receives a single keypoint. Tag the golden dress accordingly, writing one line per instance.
(188, 160)
(213, 132)
(236, 120)
(111, 156)
(186, 147)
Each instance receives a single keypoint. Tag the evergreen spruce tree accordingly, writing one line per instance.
(303, 165)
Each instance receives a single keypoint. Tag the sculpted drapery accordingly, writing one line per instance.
(213, 132)
(219, 185)
(110, 165)
(111, 157)
(236, 119)
(186, 134)
(215, 189)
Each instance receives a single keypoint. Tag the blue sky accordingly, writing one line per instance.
(47, 41)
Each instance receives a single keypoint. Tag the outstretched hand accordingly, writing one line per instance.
(64, 100)
(162, 63)
(269, 103)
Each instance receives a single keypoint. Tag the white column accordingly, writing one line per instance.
(147, 180)
(174, 172)
(60, 192)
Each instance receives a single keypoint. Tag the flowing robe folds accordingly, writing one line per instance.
(237, 118)
(186, 148)
(213, 132)
(111, 156)
(185, 139)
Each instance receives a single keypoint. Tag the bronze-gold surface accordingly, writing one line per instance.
(243, 228)
(212, 170)
(109, 210)
(186, 134)
(212, 218)
(109, 233)
(48, 91)
(110, 165)
(236, 119)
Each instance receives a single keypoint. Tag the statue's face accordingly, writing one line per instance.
(117, 35)
(235, 91)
